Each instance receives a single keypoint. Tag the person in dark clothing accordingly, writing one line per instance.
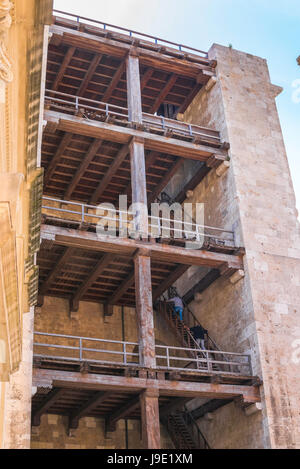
(199, 335)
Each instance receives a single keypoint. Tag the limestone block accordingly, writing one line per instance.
(237, 276)
(198, 297)
(90, 422)
(253, 409)
(211, 84)
(52, 419)
(222, 168)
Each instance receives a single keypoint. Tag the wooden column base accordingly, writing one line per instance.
(150, 419)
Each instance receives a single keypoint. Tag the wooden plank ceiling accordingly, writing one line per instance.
(94, 171)
(100, 77)
(84, 275)
(84, 403)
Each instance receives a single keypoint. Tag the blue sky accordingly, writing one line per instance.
(267, 28)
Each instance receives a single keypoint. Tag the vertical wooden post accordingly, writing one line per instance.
(150, 419)
(144, 309)
(134, 98)
(138, 184)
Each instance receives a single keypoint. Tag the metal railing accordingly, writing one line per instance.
(85, 349)
(212, 361)
(201, 440)
(184, 333)
(191, 321)
(120, 220)
(76, 349)
(133, 35)
(98, 110)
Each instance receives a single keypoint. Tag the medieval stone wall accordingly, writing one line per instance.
(52, 434)
(270, 230)
(21, 52)
(259, 314)
(54, 318)
(226, 310)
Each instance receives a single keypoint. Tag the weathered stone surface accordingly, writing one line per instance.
(258, 314)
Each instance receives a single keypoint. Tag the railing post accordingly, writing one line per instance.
(209, 365)
(76, 103)
(125, 353)
(250, 365)
(198, 234)
(234, 237)
(168, 357)
(197, 362)
(82, 213)
(120, 223)
(80, 349)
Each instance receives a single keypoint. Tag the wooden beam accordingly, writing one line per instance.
(83, 166)
(139, 185)
(146, 77)
(98, 382)
(134, 98)
(164, 182)
(175, 404)
(163, 94)
(103, 184)
(121, 413)
(169, 281)
(161, 252)
(89, 74)
(150, 419)
(63, 67)
(95, 401)
(101, 265)
(58, 266)
(122, 289)
(121, 49)
(208, 407)
(199, 175)
(66, 140)
(144, 310)
(149, 160)
(51, 398)
(204, 283)
(189, 98)
(121, 134)
(115, 80)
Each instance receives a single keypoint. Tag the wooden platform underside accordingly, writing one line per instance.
(82, 266)
(88, 65)
(66, 392)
